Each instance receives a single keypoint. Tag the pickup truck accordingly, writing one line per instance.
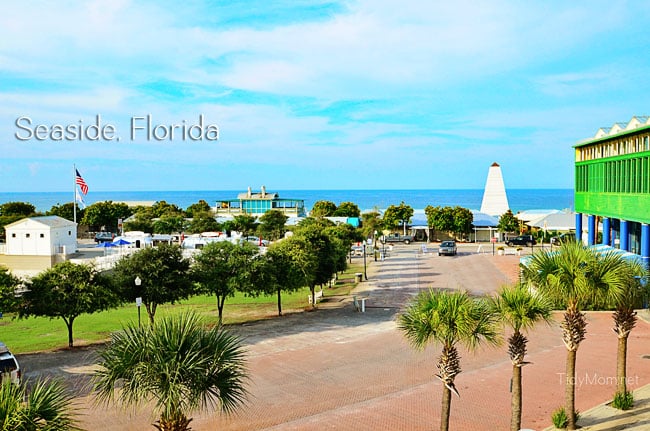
(397, 237)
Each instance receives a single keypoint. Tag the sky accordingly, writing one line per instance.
(312, 94)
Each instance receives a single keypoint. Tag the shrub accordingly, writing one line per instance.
(623, 400)
(560, 419)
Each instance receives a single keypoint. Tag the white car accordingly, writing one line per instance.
(447, 248)
(257, 241)
(9, 367)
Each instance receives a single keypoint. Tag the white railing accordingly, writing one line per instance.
(104, 263)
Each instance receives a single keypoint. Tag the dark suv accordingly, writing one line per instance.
(104, 237)
(526, 240)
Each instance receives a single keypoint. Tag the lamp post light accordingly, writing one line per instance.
(138, 300)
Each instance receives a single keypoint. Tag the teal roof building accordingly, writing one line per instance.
(256, 204)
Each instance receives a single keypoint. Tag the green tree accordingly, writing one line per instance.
(519, 309)
(463, 219)
(40, 406)
(203, 222)
(162, 208)
(169, 223)
(448, 319)
(272, 225)
(347, 209)
(244, 223)
(222, 268)
(440, 218)
(345, 232)
(179, 364)
(66, 291)
(323, 209)
(199, 207)
(66, 211)
(371, 225)
(23, 209)
(313, 231)
(287, 266)
(508, 222)
(164, 276)
(8, 285)
(396, 215)
(575, 277)
(104, 215)
(141, 222)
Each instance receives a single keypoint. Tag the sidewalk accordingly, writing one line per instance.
(606, 418)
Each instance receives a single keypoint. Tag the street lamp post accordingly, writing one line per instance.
(138, 300)
(365, 275)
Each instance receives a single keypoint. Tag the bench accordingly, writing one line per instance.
(359, 303)
(317, 295)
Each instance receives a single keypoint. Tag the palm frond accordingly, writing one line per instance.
(178, 364)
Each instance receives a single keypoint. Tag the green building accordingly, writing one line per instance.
(612, 183)
(256, 204)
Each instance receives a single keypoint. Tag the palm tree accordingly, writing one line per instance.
(625, 317)
(47, 406)
(448, 318)
(519, 308)
(575, 277)
(178, 364)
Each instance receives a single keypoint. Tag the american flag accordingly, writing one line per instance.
(81, 183)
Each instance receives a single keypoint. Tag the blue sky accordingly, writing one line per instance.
(367, 94)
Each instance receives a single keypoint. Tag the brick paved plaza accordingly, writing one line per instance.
(339, 369)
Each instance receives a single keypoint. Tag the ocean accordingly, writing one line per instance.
(518, 199)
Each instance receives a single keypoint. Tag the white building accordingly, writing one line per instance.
(37, 243)
(41, 236)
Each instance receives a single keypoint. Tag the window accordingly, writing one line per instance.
(13, 235)
(26, 235)
(42, 235)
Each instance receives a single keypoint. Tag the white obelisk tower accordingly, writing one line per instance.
(495, 201)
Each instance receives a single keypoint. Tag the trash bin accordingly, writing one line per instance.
(358, 277)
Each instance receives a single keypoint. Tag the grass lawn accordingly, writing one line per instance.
(37, 334)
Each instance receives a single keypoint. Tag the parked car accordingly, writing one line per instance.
(397, 237)
(9, 367)
(257, 241)
(447, 248)
(565, 237)
(526, 240)
(104, 237)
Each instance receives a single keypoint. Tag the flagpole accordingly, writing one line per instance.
(74, 192)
